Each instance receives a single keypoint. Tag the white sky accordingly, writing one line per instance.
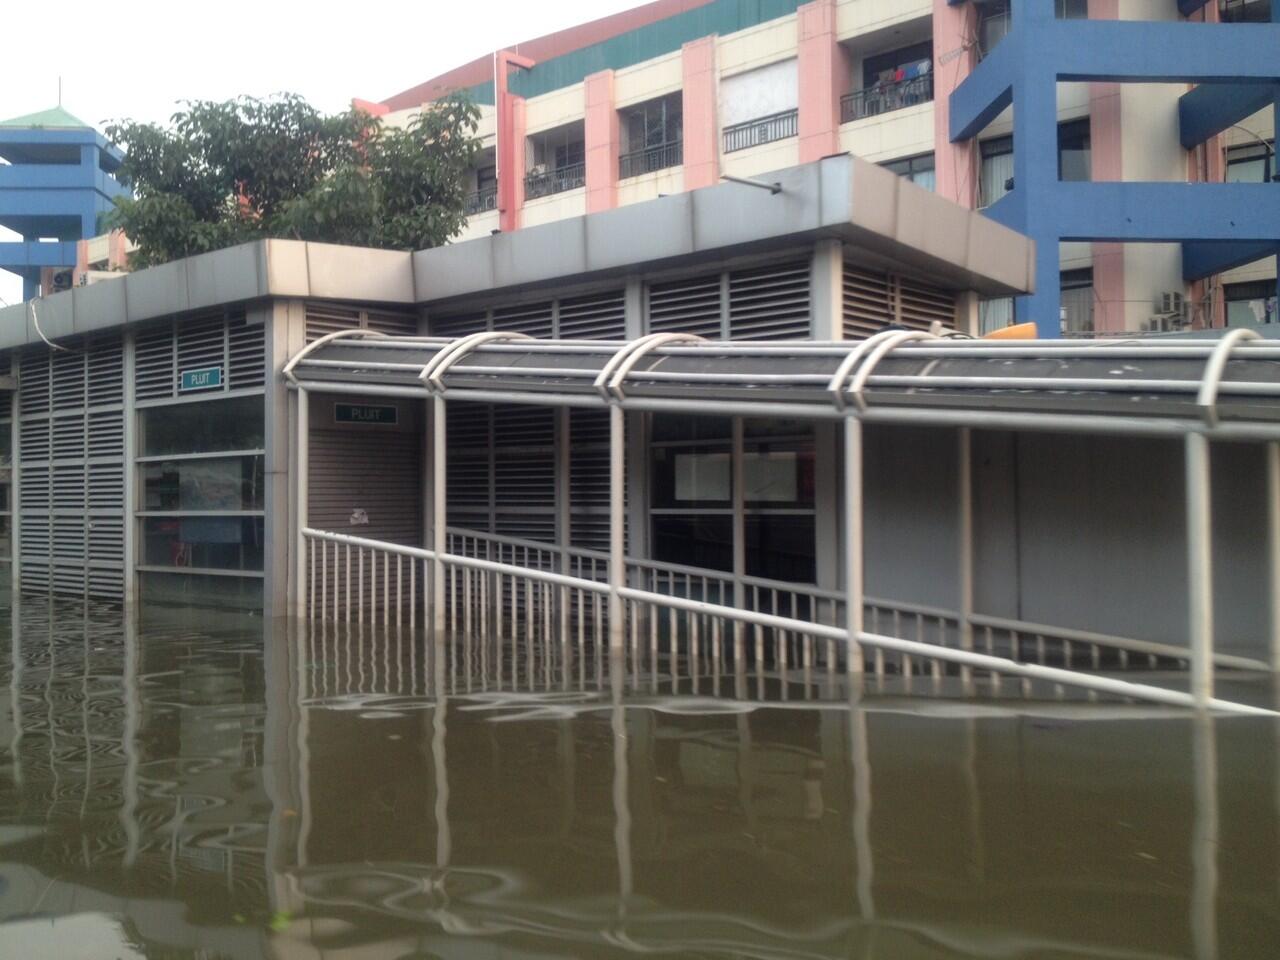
(135, 60)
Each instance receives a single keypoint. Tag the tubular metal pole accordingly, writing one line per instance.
(964, 497)
(1272, 453)
(439, 471)
(302, 485)
(739, 529)
(1199, 568)
(853, 539)
(617, 508)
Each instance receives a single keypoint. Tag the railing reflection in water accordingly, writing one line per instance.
(231, 794)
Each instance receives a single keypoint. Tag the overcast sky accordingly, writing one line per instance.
(136, 59)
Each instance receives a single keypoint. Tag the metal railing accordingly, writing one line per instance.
(651, 159)
(504, 586)
(549, 182)
(753, 133)
(482, 201)
(885, 97)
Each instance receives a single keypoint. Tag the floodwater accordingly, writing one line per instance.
(196, 785)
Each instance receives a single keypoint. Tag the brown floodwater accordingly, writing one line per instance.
(200, 785)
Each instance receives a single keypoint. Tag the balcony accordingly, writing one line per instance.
(886, 97)
(651, 160)
(545, 183)
(482, 201)
(754, 133)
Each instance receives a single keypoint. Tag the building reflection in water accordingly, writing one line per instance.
(188, 784)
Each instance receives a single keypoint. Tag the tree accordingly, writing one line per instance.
(245, 169)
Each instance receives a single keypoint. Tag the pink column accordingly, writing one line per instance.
(824, 77)
(117, 251)
(510, 131)
(603, 142)
(701, 129)
(955, 54)
(1107, 165)
(82, 261)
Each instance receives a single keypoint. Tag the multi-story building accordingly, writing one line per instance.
(1145, 166)
(56, 181)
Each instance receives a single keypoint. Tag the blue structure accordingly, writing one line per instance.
(1236, 67)
(57, 181)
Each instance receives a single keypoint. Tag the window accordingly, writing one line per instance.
(556, 161)
(891, 81)
(1077, 301)
(995, 314)
(652, 136)
(996, 176)
(1249, 304)
(994, 22)
(760, 106)
(1244, 11)
(201, 500)
(1074, 153)
(919, 170)
(897, 65)
(1251, 162)
(1071, 9)
(692, 495)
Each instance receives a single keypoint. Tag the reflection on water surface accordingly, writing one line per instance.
(191, 787)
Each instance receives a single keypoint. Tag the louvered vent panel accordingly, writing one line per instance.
(468, 483)
(68, 379)
(34, 382)
(155, 374)
(686, 306)
(922, 305)
(201, 343)
(68, 437)
(458, 325)
(770, 303)
(392, 324)
(467, 426)
(68, 488)
(868, 307)
(324, 319)
(105, 371)
(106, 435)
(531, 319)
(6, 397)
(106, 540)
(589, 479)
(105, 583)
(69, 542)
(246, 353)
(526, 526)
(523, 425)
(68, 579)
(106, 487)
(33, 491)
(601, 317)
(33, 441)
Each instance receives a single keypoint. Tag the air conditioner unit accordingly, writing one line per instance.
(90, 277)
(538, 170)
(62, 280)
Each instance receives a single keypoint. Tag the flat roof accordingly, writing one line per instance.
(885, 222)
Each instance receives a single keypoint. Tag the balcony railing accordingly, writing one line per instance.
(886, 97)
(482, 201)
(650, 159)
(555, 181)
(753, 133)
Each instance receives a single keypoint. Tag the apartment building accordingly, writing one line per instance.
(1144, 167)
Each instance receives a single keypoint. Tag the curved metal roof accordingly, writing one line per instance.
(1230, 385)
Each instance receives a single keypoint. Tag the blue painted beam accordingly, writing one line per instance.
(1158, 52)
(1203, 259)
(1211, 108)
(36, 254)
(986, 92)
(1163, 212)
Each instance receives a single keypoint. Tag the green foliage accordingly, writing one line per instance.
(225, 173)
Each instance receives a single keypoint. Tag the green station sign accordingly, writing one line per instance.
(201, 378)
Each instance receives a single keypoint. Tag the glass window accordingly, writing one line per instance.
(6, 444)
(1074, 153)
(994, 22)
(695, 541)
(213, 543)
(222, 483)
(1072, 9)
(206, 427)
(897, 66)
(1250, 163)
(781, 547)
(202, 590)
(995, 314)
(653, 124)
(6, 537)
(996, 177)
(919, 170)
(1077, 301)
(1249, 304)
